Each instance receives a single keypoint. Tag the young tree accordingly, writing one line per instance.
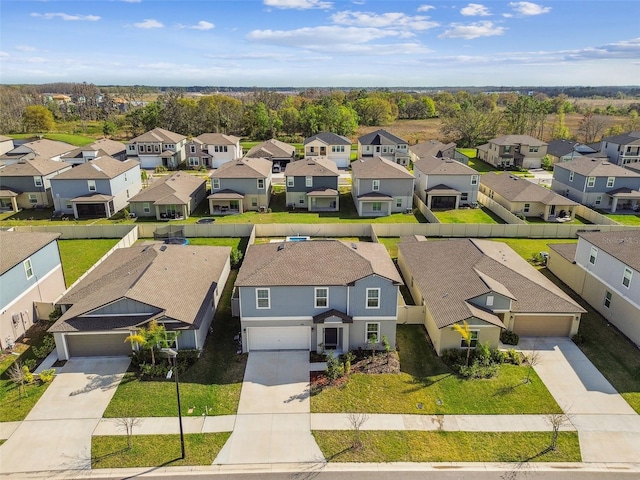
(533, 359)
(127, 424)
(21, 376)
(150, 338)
(356, 420)
(465, 332)
(557, 421)
(38, 118)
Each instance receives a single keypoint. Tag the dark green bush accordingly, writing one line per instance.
(509, 338)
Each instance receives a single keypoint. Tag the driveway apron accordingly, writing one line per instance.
(56, 435)
(273, 424)
(609, 429)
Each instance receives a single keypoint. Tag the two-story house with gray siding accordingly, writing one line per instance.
(505, 151)
(597, 184)
(435, 148)
(313, 185)
(31, 279)
(99, 188)
(381, 143)
(604, 269)
(622, 149)
(221, 148)
(317, 295)
(27, 183)
(444, 183)
(158, 148)
(380, 187)
(328, 145)
(241, 185)
(178, 286)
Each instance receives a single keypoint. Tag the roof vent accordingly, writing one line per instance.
(281, 246)
(163, 248)
(354, 246)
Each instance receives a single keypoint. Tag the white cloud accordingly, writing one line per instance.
(390, 19)
(25, 48)
(4, 55)
(298, 4)
(201, 25)
(149, 23)
(475, 10)
(627, 49)
(473, 30)
(425, 8)
(528, 8)
(66, 17)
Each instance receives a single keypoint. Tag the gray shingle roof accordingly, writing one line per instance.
(179, 183)
(158, 135)
(594, 167)
(244, 168)
(217, 139)
(108, 146)
(18, 246)
(630, 138)
(320, 167)
(517, 189)
(431, 165)
(29, 168)
(272, 149)
(314, 262)
(329, 138)
(378, 167)
(433, 148)
(517, 140)
(624, 245)
(380, 137)
(99, 168)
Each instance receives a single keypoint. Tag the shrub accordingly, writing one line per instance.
(335, 369)
(348, 358)
(477, 370)
(46, 376)
(30, 363)
(509, 338)
(236, 258)
(28, 376)
(160, 169)
(48, 344)
(454, 357)
(157, 370)
(499, 356)
(514, 356)
(482, 354)
(55, 314)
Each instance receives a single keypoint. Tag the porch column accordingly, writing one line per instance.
(75, 210)
(14, 204)
(457, 202)
(428, 201)
(614, 204)
(157, 212)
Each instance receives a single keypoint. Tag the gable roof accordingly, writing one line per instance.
(141, 273)
(217, 139)
(593, 167)
(106, 145)
(431, 148)
(158, 135)
(244, 168)
(379, 167)
(630, 138)
(329, 138)
(623, 245)
(18, 246)
(561, 147)
(315, 262)
(431, 165)
(518, 189)
(179, 185)
(272, 148)
(449, 273)
(99, 168)
(380, 137)
(29, 168)
(517, 140)
(318, 167)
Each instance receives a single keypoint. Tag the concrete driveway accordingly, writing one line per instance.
(273, 424)
(609, 429)
(56, 435)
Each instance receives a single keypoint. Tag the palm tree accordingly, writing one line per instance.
(465, 332)
(149, 337)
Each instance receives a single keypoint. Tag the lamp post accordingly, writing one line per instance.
(172, 354)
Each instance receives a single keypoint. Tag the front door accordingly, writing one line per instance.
(553, 210)
(330, 338)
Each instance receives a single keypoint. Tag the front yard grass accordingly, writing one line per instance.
(468, 215)
(419, 446)
(427, 386)
(79, 255)
(156, 450)
(211, 386)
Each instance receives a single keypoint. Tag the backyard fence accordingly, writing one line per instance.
(499, 210)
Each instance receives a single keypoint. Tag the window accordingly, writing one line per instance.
(290, 181)
(127, 193)
(262, 298)
(337, 148)
(473, 340)
(193, 161)
(571, 176)
(215, 183)
(533, 149)
(591, 181)
(607, 298)
(474, 179)
(146, 208)
(376, 206)
(490, 299)
(373, 298)
(171, 339)
(92, 185)
(301, 199)
(156, 148)
(28, 268)
(399, 202)
(464, 196)
(69, 205)
(507, 149)
(33, 198)
(308, 181)
(141, 148)
(610, 181)
(626, 277)
(527, 207)
(321, 297)
(593, 255)
(372, 333)
(375, 185)
(598, 199)
(192, 148)
(261, 184)
(37, 181)
(254, 201)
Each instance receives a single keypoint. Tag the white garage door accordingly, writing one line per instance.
(278, 338)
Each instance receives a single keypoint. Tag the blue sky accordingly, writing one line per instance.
(322, 43)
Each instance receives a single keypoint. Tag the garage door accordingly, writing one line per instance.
(542, 326)
(96, 345)
(278, 338)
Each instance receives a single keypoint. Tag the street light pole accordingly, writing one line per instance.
(172, 354)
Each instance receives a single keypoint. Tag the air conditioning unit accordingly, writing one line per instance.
(263, 209)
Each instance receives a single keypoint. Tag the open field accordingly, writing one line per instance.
(73, 139)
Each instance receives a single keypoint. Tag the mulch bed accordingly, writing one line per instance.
(381, 363)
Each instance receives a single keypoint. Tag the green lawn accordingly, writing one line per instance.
(239, 243)
(468, 215)
(576, 221)
(527, 248)
(418, 446)
(79, 255)
(624, 219)
(211, 386)
(428, 386)
(77, 140)
(392, 245)
(482, 167)
(156, 450)
(471, 153)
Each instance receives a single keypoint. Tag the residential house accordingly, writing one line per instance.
(434, 148)
(6, 144)
(380, 187)
(317, 295)
(220, 148)
(562, 150)
(521, 151)
(27, 184)
(598, 184)
(328, 145)
(99, 188)
(313, 185)
(43, 149)
(104, 146)
(280, 153)
(170, 197)
(445, 183)
(604, 269)
(197, 155)
(524, 198)
(31, 279)
(158, 148)
(622, 149)
(487, 285)
(241, 185)
(178, 286)
(384, 144)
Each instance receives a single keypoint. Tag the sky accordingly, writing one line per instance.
(321, 43)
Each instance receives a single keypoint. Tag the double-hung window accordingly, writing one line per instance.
(571, 176)
(373, 298)
(92, 185)
(215, 183)
(261, 184)
(474, 179)
(626, 277)
(611, 181)
(473, 340)
(375, 186)
(591, 182)
(372, 333)
(308, 181)
(607, 298)
(263, 298)
(37, 181)
(321, 297)
(593, 255)
(28, 268)
(527, 207)
(290, 181)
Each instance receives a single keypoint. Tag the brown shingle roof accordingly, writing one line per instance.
(217, 139)
(431, 165)
(29, 168)
(244, 168)
(158, 135)
(179, 183)
(378, 167)
(566, 250)
(431, 148)
(314, 262)
(98, 168)
(18, 246)
(623, 245)
(272, 148)
(517, 140)
(108, 146)
(320, 167)
(517, 189)
(45, 148)
(593, 167)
